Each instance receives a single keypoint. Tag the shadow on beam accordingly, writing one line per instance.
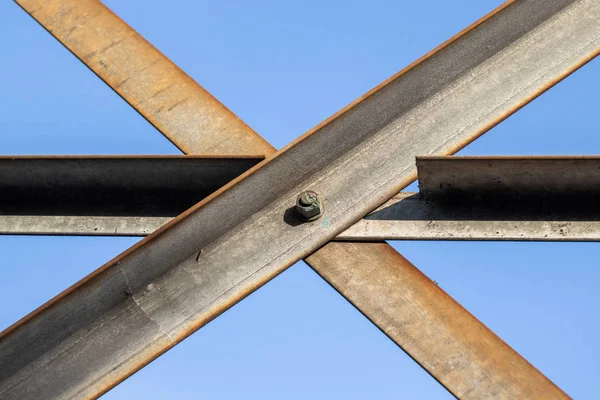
(492, 198)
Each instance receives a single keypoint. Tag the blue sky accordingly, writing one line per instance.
(283, 67)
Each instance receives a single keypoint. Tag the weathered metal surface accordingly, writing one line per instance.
(161, 92)
(77, 225)
(445, 339)
(404, 217)
(510, 182)
(309, 206)
(106, 195)
(492, 198)
(178, 279)
(112, 185)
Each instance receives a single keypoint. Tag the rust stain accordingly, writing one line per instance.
(157, 93)
(113, 44)
(71, 30)
(124, 81)
(180, 102)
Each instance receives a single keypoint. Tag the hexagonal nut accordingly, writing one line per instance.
(309, 206)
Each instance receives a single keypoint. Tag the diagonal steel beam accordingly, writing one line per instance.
(445, 339)
(544, 85)
(159, 90)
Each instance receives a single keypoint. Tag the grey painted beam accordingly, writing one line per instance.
(131, 310)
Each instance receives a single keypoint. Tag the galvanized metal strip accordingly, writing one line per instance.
(409, 217)
(445, 339)
(179, 278)
(162, 93)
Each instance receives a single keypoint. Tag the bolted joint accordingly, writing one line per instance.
(309, 205)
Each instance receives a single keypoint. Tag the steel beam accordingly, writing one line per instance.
(445, 339)
(154, 286)
(141, 186)
(405, 217)
(492, 198)
(159, 90)
(408, 217)
(515, 182)
(106, 195)
(78, 225)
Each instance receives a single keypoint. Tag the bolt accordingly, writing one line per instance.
(309, 205)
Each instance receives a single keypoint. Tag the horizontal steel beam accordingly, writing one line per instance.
(405, 217)
(508, 181)
(463, 198)
(409, 217)
(111, 185)
(492, 198)
(78, 225)
(145, 301)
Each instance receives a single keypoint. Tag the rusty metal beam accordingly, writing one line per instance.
(155, 87)
(565, 61)
(445, 339)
